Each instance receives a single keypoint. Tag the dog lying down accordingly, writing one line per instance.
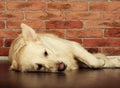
(49, 53)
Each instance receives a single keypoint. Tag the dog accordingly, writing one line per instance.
(31, 51)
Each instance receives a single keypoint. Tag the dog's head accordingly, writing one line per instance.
(32, 54)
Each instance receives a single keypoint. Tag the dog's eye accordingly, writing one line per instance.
(45, 53)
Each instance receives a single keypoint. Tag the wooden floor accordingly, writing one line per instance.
(85, 78)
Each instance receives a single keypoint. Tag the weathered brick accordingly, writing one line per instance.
(26, 6)
(75, 39)
(111, 15)
(82, 15)
(33, 24)
(115, 0)
(1, 5)
(112, 51)
(101, 42)
(78, 0)
(64, 14)
(58, 32)
(57, 15)
(76, 33)
(1, 43)
(38, 0)
(113, 32)
(93, 0)
(8, 42)
(11, 15)
(2, 24)
(4, 51)
(102, 24)
(15, 0)
(9, 33)
(67, 6)
(105, 6)
(63, 24)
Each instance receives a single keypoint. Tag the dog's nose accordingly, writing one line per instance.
(61, 67)
(39, 66)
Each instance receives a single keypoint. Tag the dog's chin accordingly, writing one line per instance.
(42, 71)
(54, 70)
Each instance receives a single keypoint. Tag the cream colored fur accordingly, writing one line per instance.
(28, 50)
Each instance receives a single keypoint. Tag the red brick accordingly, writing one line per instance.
(112, 33)
(11, 15)
(58, 32)
(1, 5)
(101, 42)
(8, 42)
(67, 6)
(82, 15)
(64, 24)
(1, 43)
(15, 0)
(75, 40)
(9, 33)
(112, 51)
(76, 33)
(93, 0)
(111, 15)
(26, 6)
(115, 0)
(105, 6)
(2, 24)
(102, 24)
(77, 0)
(33, 24)
(57, 15)
(4, 51)
(38, 0)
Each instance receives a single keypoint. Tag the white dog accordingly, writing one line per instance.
(49, 53)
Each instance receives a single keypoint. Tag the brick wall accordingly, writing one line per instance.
(93, 23)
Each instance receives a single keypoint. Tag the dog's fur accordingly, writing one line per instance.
(44, 52)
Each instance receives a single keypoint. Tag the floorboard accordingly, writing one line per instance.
(83, 78)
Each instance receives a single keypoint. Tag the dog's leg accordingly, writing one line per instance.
(84, 56)
(113, 62)
(110, 62)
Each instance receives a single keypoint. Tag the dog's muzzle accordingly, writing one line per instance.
(60, 67)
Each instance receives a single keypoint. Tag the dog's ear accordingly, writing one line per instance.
(28, 33)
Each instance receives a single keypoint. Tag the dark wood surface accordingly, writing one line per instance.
(84, 78)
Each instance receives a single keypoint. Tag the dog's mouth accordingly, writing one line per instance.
(60, 67)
